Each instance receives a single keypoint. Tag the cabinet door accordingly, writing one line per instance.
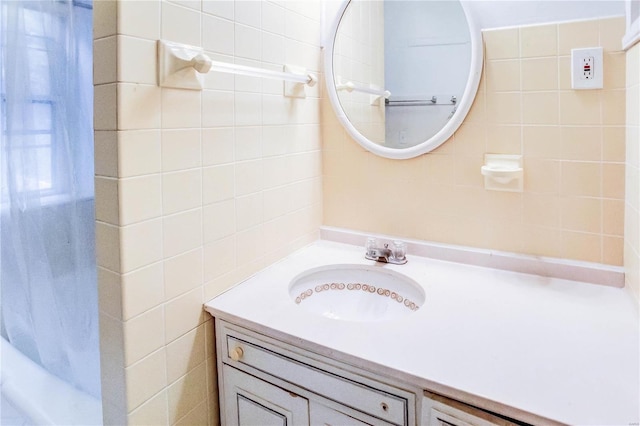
(249, 401)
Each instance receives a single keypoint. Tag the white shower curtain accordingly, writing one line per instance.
(47, 263)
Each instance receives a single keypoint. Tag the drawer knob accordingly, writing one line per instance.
(237, 353)
(384, 407)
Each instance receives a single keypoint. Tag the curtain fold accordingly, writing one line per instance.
(47, 264)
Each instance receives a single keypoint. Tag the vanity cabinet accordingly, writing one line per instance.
(267, 382)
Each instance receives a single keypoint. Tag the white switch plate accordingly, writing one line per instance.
(587, 68)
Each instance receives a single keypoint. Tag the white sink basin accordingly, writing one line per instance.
(356, 293)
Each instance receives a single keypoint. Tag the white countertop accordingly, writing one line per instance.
(527, 346)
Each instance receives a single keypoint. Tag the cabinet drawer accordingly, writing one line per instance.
(376, 402)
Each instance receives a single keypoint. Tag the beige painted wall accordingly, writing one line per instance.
(572, 142)
(632, 206)
(195, 190)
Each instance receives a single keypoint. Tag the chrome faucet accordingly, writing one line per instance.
(396, 256)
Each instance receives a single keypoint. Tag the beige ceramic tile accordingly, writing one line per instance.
(106, 200)
(104, 19)
(217, 108)
(152, 412)
(575, 35)
(248, 143)
(611, 32)
(613, 144)
(613, 107)
(217, 34)
(541, 210)
(187, 393)
(181, 232)
(105, 150)
(183, 273)
(542, 241)
(613, 181)
(249, 211)
(273, 51)
(273, 18)
(248, 13)
(141, 244)
(542, 176)
(251, 106)
(542, 142)
(467, 171)
(246, 42)
(217, 146)
(108, 246)
(276, 172)
(221, 8)
(581, 246)
(197, 416)
(582, 143)
(104, 67)
(501, 44)
(564, 73)
(180, 24)
(136, 60)
(109, 293)
(218, 183)
(219, 258)
(505, 236)
(142, 289)
(504, 108)
(181, 191)
(219, 220)
(143, 335)
(581, 178)
(105, 107)
(181, 149)
(615, 68)
(139, 19)
(139, 152)
(250, 245)
(582, 214)
(539, 74)
(185, 353)
(540, 108)
(613, 217)
(138, 106)
(146, 378)
(538, 41)
(140, 199)
(580, 107)
(183, 314)
(613, 251)
(181, 108)
(248, 177)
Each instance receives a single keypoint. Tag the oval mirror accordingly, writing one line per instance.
(402, 74)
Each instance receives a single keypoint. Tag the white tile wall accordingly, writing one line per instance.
(195, 189)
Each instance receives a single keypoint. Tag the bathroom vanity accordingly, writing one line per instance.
(483, 346)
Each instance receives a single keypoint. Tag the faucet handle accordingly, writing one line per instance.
(399, 250)
(370, 245)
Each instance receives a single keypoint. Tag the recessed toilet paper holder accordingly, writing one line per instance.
(503, 172)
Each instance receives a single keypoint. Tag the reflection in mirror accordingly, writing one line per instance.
(403, 74)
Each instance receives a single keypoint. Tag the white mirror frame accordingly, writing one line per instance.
(464, 104)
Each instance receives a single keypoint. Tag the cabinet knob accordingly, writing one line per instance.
(236, 353)
(384, 406)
